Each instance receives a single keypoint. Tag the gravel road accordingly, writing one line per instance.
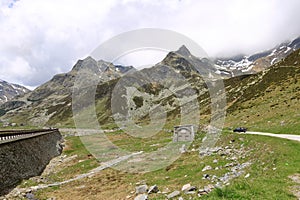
(286, 136)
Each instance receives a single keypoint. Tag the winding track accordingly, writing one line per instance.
(285, 136)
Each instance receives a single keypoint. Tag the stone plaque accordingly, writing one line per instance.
(183, 133)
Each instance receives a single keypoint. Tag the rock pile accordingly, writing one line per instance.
(232, 154)
(142, 191)
(189, 189)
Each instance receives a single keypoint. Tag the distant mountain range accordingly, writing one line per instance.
(51, 103)
(9, 90)
(242, 64)
(51, 98)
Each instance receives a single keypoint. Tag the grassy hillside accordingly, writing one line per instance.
(270, 100)
(272, 160)
(267, 101)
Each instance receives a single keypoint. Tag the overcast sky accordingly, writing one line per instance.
(39, 39)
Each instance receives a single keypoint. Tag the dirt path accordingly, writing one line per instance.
(90, 173)
(19, 191)
(286, 136)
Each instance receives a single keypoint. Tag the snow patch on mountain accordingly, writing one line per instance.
(258, 61)
(8, 91)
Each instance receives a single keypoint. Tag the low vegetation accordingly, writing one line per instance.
(273, 161)
(267, 101)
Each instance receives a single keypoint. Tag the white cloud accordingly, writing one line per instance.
(13, 71)
(149, 58)
(42, 38)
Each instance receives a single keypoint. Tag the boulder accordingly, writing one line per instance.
(141, 189)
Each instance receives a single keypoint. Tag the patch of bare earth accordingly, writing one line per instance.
(296, 188)
(110, 184)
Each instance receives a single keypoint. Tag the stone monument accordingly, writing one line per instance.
(183, 133)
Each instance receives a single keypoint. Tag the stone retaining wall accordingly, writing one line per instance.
(25, 158)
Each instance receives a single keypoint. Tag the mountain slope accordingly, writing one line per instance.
(54, 96)
(242, 64)
(184, 62)
(269, 100)
(10, 90)
(51, 103)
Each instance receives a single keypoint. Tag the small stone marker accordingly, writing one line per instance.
(183, 133)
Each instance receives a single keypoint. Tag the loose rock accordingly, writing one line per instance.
(182, 149)
(153, 189)
(141, 189)
(205, 176)
(30, 196)
(185, 187)
(229, 164)
(190, 190)
(141, 197)
(202, 192)
(173, 194)
(207, 168)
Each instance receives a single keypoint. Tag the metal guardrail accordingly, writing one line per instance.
(13, 135)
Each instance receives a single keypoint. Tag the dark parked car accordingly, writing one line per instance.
(240, 129)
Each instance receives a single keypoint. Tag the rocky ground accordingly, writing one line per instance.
(296, 188)
(235, 166)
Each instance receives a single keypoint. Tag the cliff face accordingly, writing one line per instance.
(22, 159)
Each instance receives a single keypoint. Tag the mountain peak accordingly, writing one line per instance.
(183, 50)
(89, 59)
(86, 61)
(9, 90)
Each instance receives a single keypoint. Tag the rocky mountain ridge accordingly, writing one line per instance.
(242, 64)
(166, 84)
(9, 90)
(39, 105)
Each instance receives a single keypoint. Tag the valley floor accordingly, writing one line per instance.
(267, 168)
